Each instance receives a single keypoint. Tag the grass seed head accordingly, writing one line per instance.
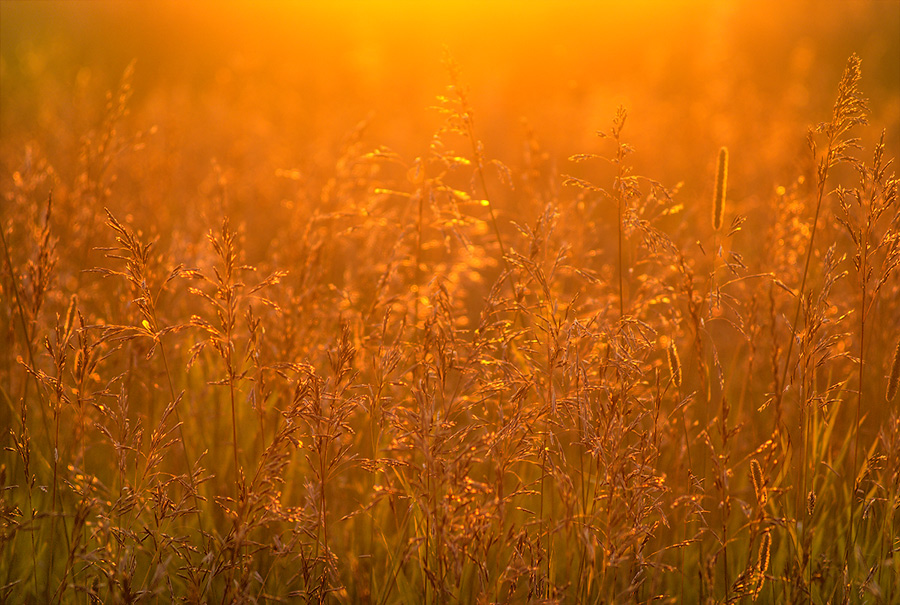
(759, 485)
(765, 548)
(721, 185)
(762, 562)
(70, 316)
(674, 363)
(894, 378)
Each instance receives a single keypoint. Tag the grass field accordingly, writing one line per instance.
(452, 302)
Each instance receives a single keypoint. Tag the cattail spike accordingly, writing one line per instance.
(721, 185)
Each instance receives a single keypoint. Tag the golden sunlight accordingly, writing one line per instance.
(444, 301)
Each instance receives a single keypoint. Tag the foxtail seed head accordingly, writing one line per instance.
(70, 317)
(894, 378)
(765, 549)
(721, 185)
(79, 364)
(759, 485)
(762, 562)
(674, 363)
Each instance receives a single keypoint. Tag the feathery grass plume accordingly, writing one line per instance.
(894, 378)
(674, 363)
(721, 185)
(810, 503)
(850, 109)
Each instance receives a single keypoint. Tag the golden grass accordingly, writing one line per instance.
(448, 379)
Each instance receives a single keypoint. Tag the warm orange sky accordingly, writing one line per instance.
(693, 74)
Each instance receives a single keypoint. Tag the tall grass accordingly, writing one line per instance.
(449, 380)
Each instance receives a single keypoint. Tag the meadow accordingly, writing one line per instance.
(463, 303)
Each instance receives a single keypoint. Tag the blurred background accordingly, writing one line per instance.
(263, 86)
